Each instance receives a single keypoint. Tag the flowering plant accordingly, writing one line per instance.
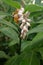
(21, 32)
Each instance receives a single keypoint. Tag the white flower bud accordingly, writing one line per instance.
(24, 35)
(26, 12)
(23, 21)
(29, 20)
(21, 35)
(20, 13)
(21, 18)
(22, 9)
(25, 29)
(28, 24)
(22, 31)
(21, 26)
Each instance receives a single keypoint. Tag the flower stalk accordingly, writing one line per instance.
(22, 18)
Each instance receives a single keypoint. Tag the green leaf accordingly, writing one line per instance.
(37, 42)
(8, 24)
(33, 8)
(13, 59)
(26, 58)
(41, 51)
(29, 58)
(12, 3)
(3, 55)
(36, 29)
(10, 33)
(41, 21)
(25, 44)
(36, 13)
(12, 43)
(3, 14)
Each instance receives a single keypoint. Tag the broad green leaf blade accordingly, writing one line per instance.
(36, 29)
(12, 43)
(13, 59)
(33, 8)
(37, 42)
(3, 14)
(12, 3)
(8, 24)
(36, 13)
(41, 21)
(3, 55)
(41, 51)
(10, 33)
(26, 58)
(25, 44)
(29, 58)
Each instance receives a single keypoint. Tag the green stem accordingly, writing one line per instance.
(19, 42)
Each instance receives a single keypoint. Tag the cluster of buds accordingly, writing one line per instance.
(23, 19)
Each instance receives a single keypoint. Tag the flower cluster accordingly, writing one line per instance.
(25, 22)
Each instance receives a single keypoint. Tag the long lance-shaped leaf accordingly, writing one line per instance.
(3, 55)
(3, 14)
(41, 21)
(10, 33)
(27, 58)
(12, 3)
(36, 43)
(9, 24)
(36, 13)
(36, 29)
(33, 8)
